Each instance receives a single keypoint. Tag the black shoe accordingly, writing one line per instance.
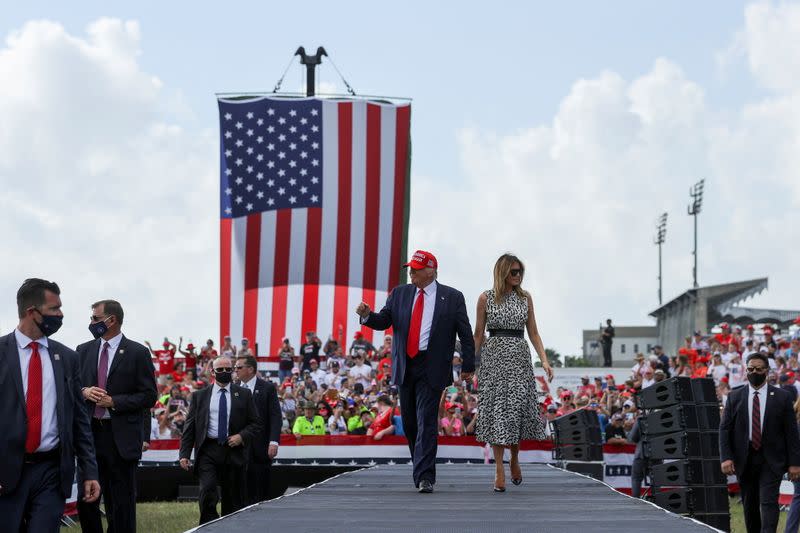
(425, 486)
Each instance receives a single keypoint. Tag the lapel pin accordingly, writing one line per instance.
(236, 394)
(256, 391)
(121, 352)
(56, 357)
(772, 394)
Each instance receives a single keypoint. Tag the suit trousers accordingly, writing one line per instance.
(118, 483)
(257, 482)
(419, 409)
(760, 488)
(36, 505)
(214, 468)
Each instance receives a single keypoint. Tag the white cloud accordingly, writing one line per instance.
(101, 193)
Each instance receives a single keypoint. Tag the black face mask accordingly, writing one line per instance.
(50, 324)
(756, 380)
(223, 377)
(98, 329)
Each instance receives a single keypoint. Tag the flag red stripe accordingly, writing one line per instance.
(311, 286)
(251, 266)
(343, 220)
(283, 233)
(224, 277)
(372, 208)
(400, 172)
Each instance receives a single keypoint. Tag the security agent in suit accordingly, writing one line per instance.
(222, 423)
(118, 386)
(44, 426)
(758, 441)
(422, 368)
(264, 447)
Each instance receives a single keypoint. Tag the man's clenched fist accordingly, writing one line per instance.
(363, 310)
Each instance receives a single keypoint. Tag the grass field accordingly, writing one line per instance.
(169, 517)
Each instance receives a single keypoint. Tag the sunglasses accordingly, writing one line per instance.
(756, 370)
(516, 272)
(239, 367)
(223, 369)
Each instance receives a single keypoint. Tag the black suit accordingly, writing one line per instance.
(760, 472)
(118, 440)
(422, 379)
(217, 464)
(269, 414)
(35, 492)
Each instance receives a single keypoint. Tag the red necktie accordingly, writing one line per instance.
(755, 437)
(33, 400)
(412, 344)
(102, 376)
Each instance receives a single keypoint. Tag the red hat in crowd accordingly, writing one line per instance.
(422, 259)
(724, 379)
(358, 335)
(190, 346)
(566, 394)
(724, 325)
(797, 320)
(621, 387)
(768, 330)
(750, 327)
(609, 376)
(790, 374)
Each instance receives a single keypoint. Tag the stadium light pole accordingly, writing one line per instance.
(661, 235)
(696, 194)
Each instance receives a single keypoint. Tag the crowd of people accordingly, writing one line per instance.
(328, 388)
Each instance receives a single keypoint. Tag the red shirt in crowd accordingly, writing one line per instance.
(384, 367)
(587, 390)
(165, 358)
(382, 421)
(191, 361)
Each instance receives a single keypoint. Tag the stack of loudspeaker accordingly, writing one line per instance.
(680, 436)
(578, 443)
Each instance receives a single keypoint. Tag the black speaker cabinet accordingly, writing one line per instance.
(680, 417)
(594, 470)
(694, 499)
(580, 419)
(687, 472)
(683, 445)
(704, 391)
(721, 521)
(579, 452)
(666, 393)
(580, 435)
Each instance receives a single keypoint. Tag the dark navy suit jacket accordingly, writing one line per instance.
(74, 431)
(269, 412)
(449, 319)
(779, 435)
(132, 386)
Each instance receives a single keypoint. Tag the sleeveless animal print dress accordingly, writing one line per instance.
(508, 405)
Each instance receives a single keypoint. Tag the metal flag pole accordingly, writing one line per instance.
(311, 63)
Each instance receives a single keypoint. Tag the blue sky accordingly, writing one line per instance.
(558, 130)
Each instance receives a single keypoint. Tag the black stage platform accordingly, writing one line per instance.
(383, 498)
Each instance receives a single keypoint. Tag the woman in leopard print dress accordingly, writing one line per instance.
(508, 406)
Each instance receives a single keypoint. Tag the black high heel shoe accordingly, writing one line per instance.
(517, 480)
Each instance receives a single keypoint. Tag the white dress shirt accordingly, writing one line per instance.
(213, 410)
(113, 344)
(427, 313)
(49, 397)
(762, 401)
(252, 386)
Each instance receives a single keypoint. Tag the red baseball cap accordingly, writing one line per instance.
(797, 320)
(422, 259)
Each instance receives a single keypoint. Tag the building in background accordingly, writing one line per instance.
(628, 341)
(703, 308)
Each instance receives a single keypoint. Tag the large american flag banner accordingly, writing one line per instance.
(313, 215)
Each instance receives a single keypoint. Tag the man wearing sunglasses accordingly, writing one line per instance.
(222, 423)
(119, 386)
(759, 442)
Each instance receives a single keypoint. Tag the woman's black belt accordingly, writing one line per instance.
(507, 333)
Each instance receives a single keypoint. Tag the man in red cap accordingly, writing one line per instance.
(426, 317)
